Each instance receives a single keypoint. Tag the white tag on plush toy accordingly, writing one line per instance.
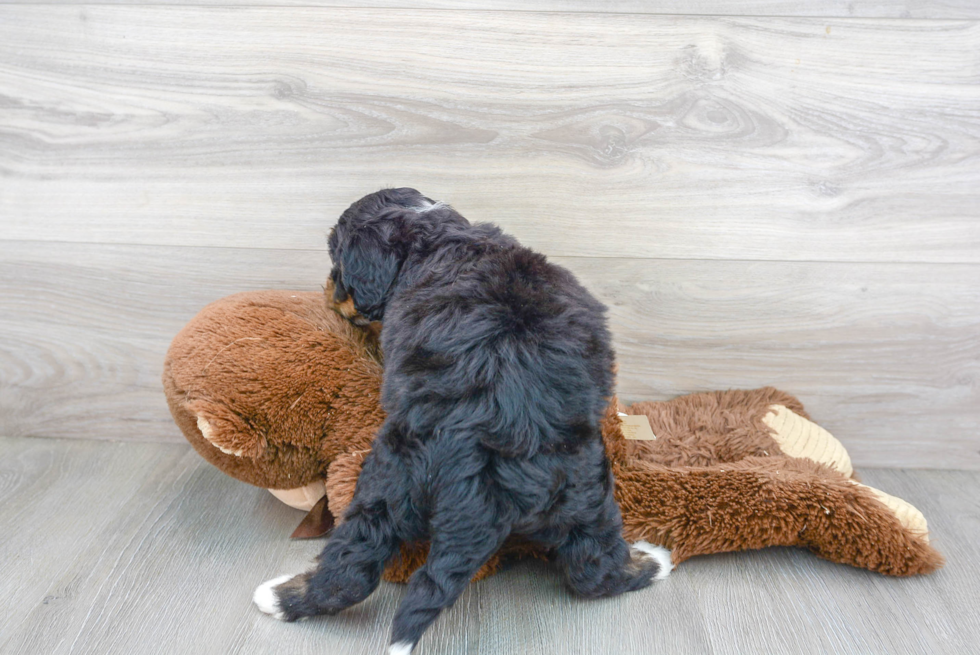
(637, 428)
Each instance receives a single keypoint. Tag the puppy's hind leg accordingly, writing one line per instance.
(464, 536)
(597, 561)
(350, 566)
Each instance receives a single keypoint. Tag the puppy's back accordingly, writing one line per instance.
(498, 342)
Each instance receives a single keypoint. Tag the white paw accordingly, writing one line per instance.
(659, 553)
(265, 597)
(401, 648)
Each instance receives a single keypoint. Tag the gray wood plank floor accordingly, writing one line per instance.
(135, 547)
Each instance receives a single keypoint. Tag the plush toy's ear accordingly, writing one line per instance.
(370, 260)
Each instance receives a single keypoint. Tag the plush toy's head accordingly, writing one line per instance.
(271, 386)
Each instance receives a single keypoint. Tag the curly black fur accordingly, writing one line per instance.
(498, 370)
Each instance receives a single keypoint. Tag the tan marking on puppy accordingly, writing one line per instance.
(297, 584)
(374, 329)
(346, 309)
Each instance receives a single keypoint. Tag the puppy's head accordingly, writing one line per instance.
(370, 243)
(371, 329)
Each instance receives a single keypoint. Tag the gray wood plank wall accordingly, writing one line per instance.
(826, 8)
(786, 197)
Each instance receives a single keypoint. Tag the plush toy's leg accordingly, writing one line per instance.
(597, 561)
(349, 568)
(461, 543)
(763, 501)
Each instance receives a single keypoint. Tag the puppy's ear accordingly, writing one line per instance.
(372, 259)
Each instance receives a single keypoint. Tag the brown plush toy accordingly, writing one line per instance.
(278, 391)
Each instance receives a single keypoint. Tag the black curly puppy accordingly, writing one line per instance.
(498, 369)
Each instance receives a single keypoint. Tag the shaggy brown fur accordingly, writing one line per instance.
(295, 389)
(279, 378)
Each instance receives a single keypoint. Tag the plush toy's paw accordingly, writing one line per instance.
(266, 599)
(657, 553)
(304, 498)
(906, 513)
(798, 437)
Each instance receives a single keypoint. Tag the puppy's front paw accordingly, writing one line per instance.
(266, 599)
(657, 553)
